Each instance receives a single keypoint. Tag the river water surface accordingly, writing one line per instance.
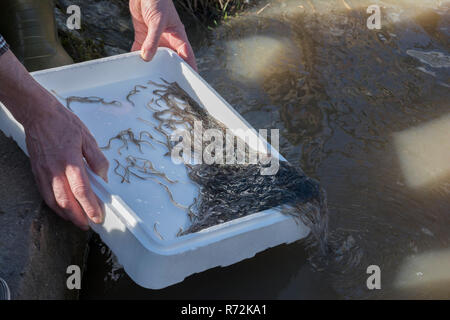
(364, 111)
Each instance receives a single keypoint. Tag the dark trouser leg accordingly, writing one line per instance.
(29, 28)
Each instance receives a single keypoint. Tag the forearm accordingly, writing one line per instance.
(21, 94)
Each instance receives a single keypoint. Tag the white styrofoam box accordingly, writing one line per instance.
(133, 211)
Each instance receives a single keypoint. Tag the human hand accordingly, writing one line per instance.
(56, 145)
(157, 24)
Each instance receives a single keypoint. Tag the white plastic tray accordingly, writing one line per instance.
(132, 210)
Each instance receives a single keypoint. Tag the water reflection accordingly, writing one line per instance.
(347, 101)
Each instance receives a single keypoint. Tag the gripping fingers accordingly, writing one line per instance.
(46, 191)
(183, 47)
(79, 184)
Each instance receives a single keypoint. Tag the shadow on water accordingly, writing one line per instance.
(340, 95)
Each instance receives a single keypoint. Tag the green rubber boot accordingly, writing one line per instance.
(29, 28)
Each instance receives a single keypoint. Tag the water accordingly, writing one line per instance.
(366, 113)
(229, 189)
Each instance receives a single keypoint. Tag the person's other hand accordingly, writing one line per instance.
(57, 141)
(157, 24)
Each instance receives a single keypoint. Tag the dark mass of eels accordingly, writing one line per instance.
(230, 191)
